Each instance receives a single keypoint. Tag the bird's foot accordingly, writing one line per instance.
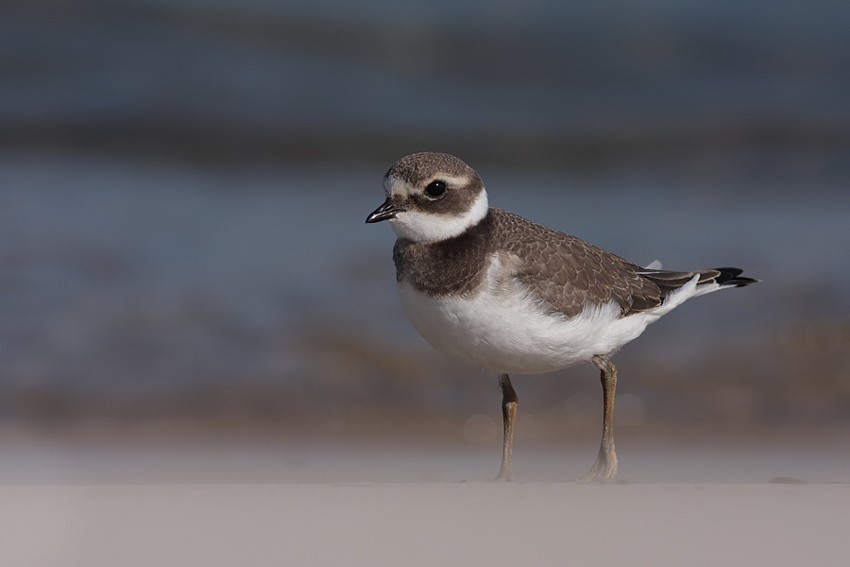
(604, 469)
(504, 476)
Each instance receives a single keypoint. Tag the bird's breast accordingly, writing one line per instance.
(502, 326)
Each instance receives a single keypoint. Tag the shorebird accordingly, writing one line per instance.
(516, 297)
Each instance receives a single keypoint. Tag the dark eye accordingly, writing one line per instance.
(436, 189)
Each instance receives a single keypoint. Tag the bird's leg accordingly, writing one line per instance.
(509, 404)
(605, 467)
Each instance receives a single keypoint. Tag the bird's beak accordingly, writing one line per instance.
(386, 211)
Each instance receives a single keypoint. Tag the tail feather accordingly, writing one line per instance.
(721, 277)
(732, 277)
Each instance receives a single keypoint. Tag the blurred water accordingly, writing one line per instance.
(132, 286)
(183, 186)
(517, 81)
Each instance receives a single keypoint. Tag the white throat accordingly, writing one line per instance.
(428, 227)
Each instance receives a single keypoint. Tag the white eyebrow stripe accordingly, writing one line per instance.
(421, 226)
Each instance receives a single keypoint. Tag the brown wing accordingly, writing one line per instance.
(567, 272)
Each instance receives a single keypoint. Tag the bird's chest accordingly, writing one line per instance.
(448, 268)
(497, 325)
(459, 325)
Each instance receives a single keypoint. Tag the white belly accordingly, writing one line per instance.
(503, 328)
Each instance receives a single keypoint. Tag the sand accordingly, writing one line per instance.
(315, 504)
(394, 524)
(378, 524)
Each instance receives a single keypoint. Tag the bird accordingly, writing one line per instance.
(515, 297)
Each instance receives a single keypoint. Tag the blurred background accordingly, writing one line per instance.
(184, 262)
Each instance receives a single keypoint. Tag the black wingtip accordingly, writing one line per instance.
(733, 277)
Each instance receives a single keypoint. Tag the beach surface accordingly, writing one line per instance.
(90, 507)
(426, 524)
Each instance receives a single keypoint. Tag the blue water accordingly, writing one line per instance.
(183, 184)
(141, 281)
(605, 69)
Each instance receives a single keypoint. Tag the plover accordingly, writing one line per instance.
(516, 297)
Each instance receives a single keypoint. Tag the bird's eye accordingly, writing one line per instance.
(435, 189)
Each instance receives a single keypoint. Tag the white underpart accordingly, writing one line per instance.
(429, 227)
(505, 328)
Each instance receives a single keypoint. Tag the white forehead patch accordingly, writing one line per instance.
(430, 227)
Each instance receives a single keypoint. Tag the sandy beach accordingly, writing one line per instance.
(312, 505)
(204, 361)
(394, 524)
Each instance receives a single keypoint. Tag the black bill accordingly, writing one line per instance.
(386, 211)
